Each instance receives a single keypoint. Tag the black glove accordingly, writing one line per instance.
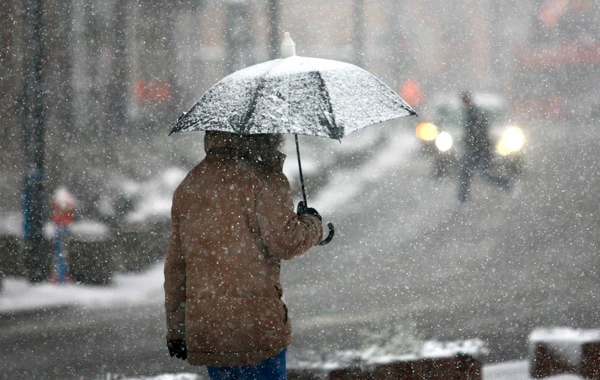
(302, 209)
(177, 348)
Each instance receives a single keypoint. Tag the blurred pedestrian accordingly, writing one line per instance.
(63, 205)
(232, 224)
(478, 148)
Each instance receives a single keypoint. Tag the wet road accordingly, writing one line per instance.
(406, 256)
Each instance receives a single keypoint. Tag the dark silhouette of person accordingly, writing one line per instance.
(478, 153)
(233, 223)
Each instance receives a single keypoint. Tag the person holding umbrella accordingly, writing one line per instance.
(232, 217)
(232, 223)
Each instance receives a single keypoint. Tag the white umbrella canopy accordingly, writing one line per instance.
(297, 95)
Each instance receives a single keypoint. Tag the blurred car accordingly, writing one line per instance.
(441, 134)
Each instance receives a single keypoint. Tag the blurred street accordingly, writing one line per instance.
(406, 255)
(89, 91)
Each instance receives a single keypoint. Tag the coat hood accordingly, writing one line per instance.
(253, 147)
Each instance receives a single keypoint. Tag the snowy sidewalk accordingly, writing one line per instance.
(126, 290)
(146, 288)
(506, 371)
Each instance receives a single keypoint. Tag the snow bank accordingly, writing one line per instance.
(435, 349)
(81, 230)
(127, 290)
(504, 371)
(564, 334)
(11, 224)
(155, 196)
(374, 355)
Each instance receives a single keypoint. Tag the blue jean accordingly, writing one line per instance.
(270, 369)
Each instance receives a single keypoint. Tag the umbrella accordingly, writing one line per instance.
(295, 95)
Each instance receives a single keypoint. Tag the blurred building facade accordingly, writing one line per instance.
(556, 69)
(118, 73)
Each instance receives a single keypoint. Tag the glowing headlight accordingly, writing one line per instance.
(427, 131)
(512, 141)
(443, 141)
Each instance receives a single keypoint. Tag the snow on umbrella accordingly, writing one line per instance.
(295, 95)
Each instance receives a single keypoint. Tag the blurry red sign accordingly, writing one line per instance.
(410, 91)
(151, 92)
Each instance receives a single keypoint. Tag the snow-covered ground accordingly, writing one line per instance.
(505, 371)
(146, 288)
(136, 289)
(154, 200)
(127, 290)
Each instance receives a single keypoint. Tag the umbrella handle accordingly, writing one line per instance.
(329, 236)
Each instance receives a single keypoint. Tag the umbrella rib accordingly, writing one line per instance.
(335, 132)
(252, 106)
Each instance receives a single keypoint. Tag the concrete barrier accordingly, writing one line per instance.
(397, 370)
(88, 257)
(555, 351)
(545, 362)
(94, 250)
(350, 374)
(431, 360)
(590, 361)
(12, 258)
(138, 246)
(90, 262)
(300, 374)
(457, 367)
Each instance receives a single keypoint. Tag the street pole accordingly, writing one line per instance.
(34, 197)
(274, 33)
(118, 87)
(359, 32)
(239, 35)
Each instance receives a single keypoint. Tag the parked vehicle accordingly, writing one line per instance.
(441, 133)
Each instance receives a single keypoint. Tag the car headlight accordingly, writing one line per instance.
(427, 131)
(512, 140)
(443, 141)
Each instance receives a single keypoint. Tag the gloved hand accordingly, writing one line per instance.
(302, 209)
(177, 348)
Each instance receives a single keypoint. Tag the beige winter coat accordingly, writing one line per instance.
(233, 221)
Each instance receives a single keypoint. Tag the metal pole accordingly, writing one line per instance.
(359, 32)
(274, 40)
(118, 87)
(34, 198)
(239, 35)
